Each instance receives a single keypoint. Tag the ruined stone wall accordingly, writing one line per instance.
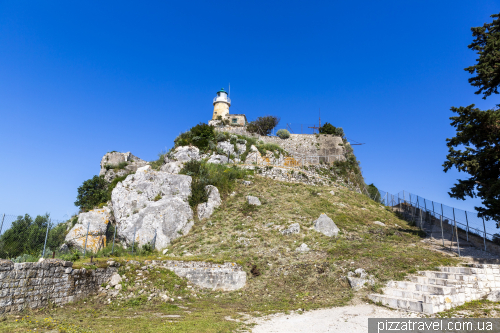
(34, 285)
(308, 144)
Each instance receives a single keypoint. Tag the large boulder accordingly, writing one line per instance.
(117, 164)
(206, 209)
(96, 222)
(175, 160)
(326, 226)
(229, 149)
(219, 159)
(152, 202)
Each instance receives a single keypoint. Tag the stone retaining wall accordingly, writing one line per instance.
(34, 285)
(226, 277)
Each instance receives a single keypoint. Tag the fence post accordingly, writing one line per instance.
(154, 241)
(484, 238)
(46, 234)
(456, 230)
(420, 210)
(85, 248)
(442, 232)
(467, 220)
(1, 225)
(133, 241)
(114, 236)
(425, 207)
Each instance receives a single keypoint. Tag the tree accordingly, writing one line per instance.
(25, 236)
(93, 192)
(487, 69)
(477, 131)
(374, 193)
(263, 125)
(328, 128)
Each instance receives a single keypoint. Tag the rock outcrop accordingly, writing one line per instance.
(293, 229)
(254, 201)
(206, 209)
(96, 222)
(150, 203)
(326, 226)
(117, 164)
(175, 160)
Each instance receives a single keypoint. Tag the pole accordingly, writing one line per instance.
(467, 220)
(484, 238)
(113, 247)
(420, 210)
(46, 234)
(425, 207)
(154, 241)
(1, 225)
(442, 232)
(85, 248)
(133, 241)
(456, 230)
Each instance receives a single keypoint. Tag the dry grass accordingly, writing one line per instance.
(279, 278)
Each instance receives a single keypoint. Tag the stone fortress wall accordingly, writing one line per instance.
(33, 285)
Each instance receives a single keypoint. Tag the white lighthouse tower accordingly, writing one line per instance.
(222, 102)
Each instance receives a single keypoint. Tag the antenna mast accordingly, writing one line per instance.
(319, 117)
(229, 94)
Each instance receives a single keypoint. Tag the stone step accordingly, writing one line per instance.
(454, 276)
(398, 303)
(422, 287)
(470, 270)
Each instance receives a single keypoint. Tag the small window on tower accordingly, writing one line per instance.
(235, 120)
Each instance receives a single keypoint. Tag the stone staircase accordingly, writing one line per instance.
(434, 291)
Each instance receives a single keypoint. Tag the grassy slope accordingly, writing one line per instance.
(279, 279)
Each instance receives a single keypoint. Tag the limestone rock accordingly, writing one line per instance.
(379, 223)
(494, 296)
(150, 201)
(96, 221)
(117, 164)
(227, 147)
(359, 279)
(115, 279)
(219, 159)
(303, 248)
(254, 201)
(326, 226)
(247, 182)
(183, 154)
(206, 209)
(172, 167)
(332, 192)
(293, 229)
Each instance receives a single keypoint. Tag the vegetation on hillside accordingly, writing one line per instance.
(328, 128)
(263, 125)
(27, 236)
(279, 277)
(95, 192)
(478, 131)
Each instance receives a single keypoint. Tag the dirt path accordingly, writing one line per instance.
(351, 319)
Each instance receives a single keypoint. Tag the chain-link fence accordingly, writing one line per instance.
(23, 238)
(440, 221)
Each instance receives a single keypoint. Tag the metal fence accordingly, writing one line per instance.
(441, 221)
(23, 238)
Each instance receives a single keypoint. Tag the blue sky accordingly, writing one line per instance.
(79, 79)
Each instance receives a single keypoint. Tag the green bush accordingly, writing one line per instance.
(263, 125)
(121, 165)
(220, 137)
(156, 165)
(200, 136)
(91, 193)
(204, 174)
(328, 128)
(283, 133)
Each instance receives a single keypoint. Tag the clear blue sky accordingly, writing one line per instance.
(79, 79)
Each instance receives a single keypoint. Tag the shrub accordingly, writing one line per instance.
(91, 193)
(220, 137)
(328, 128)
(156, 165)
(283, 133)
(263, 125)
(204, 174)
(199, 136)
(121, 165)
(241, 141)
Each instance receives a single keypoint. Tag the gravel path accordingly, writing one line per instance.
(351, 319)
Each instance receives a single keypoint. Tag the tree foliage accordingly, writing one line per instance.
(487, 46)
(328, 128)
(27, 236)
(479, 132)
(263, 125)
(91, 193)
(200, 136)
